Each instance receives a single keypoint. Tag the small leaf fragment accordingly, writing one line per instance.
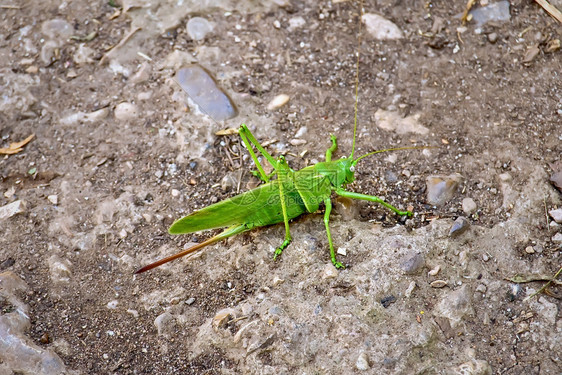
(16, 147)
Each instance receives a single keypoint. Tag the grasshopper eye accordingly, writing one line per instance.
(352, 168)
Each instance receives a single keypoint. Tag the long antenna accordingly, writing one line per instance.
(357, 77)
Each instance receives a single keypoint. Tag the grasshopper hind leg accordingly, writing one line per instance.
(282, 173)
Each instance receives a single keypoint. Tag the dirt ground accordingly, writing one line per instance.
(102, 181)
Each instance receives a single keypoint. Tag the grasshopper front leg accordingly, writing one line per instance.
(332, 148)
(249, 140)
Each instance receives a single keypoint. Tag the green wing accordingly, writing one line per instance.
(256, 207)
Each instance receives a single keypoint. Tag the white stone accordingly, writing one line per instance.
(468, 206)
(278, 102)
(330, 271)
(362, 363)
(380, 28)
(198, 28)
(556, 215)
(295, 23)
(54, 199)
(125, 111)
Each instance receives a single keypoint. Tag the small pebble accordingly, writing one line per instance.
(134, 313)
(58, 30)
(413, 263)
(380, 28)
(387, 301)
(203, 90)
(505, 177)
(459, 226)
(198, 28)
(468, 206)
(441, 189)
(175, 193)
(228, 182)
(112, 305)
(485, 257)
(342, 251)
(163, 322)
(302, 131)
(330, 271)
(278, 281)
(493, 37)
(438, 283)
(54, 199)
(495, 12)
(278, 102)
(295, 23)
(222, 317)
(556, 215)
(190, 301)
(434, 271)
(410, 289)
(481, 288)
(529, 250)
(556, 177)
(125, 111)
(297, 142)
(12, 209)
(60, 270)
(557, 238)
(362, 363)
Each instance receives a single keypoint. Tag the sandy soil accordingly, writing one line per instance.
(120, 152)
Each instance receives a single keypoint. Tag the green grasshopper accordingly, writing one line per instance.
(280, 200)
(290, 195)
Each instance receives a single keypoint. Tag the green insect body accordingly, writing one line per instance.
(290, 195)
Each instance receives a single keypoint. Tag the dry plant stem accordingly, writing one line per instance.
(551, 9)
(541, 290)
(118, 45)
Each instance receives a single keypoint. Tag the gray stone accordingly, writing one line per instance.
(203, 90)
(459, 227)
(412, 263)
(164, 323)
(495, 12)
(441, 189)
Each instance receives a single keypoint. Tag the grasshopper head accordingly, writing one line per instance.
(349, 168)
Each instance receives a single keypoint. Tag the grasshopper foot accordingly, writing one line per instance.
(280, 249)
(405, 213)
(338, 265)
